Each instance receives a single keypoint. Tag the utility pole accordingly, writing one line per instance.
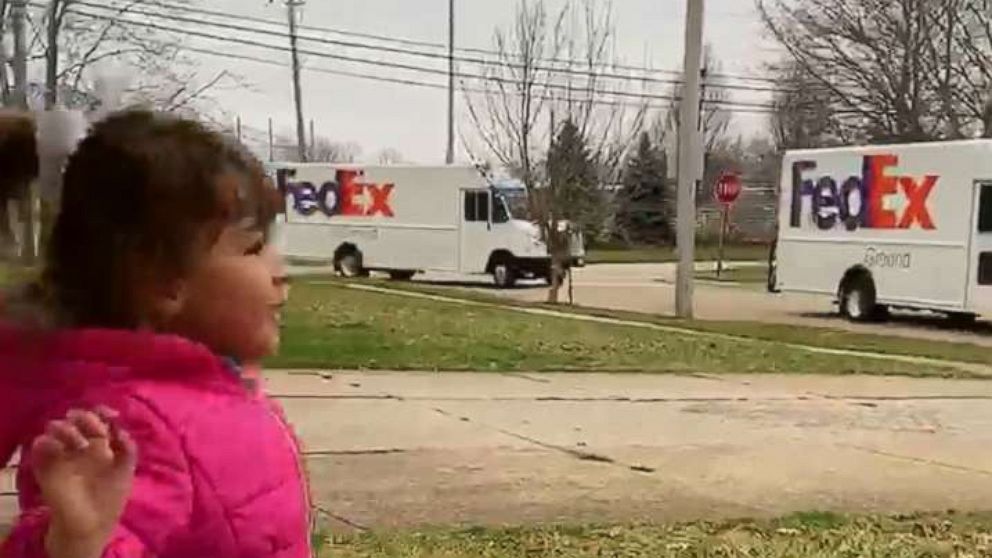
(689, 157)
(301, 134)
(313, 142)
(450, 157)
(18, 20)
(271, 141)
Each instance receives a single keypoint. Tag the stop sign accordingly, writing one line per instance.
(728, 188)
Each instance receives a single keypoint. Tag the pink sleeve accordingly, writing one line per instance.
(160, 506)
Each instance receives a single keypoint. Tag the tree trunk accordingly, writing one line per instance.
(557, 273)
(987, 119)
(7, 241)
(554, 290)
(558, 255)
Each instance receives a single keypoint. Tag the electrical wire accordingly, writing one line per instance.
(438, 86)
(402, 66)
(409, 42)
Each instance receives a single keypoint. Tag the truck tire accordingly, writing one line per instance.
(401, 275)
(773, 278)
(857, 299)
(504, 275)
(772, 285)
(349, 264)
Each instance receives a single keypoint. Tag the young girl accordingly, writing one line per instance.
(120, 378)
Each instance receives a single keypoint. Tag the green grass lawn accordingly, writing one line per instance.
(662, 254)
(11, 274)
(328, 325)
(811, 535)
(825, 337)
(749, 275)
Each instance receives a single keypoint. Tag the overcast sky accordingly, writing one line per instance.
(381, 115)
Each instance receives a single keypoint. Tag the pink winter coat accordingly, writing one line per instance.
(219, 473)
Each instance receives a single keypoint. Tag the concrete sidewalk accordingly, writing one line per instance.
(408, 449)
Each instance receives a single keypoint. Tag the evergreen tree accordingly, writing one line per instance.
(643, 212)
(572, 181)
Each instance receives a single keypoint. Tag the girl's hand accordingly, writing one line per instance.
(84, 466)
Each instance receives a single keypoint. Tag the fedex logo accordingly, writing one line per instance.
(863, 201)
(347, 195)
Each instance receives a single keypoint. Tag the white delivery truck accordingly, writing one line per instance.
(407, 219)
(907, 226)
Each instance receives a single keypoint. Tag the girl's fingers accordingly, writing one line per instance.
(68, 434)
(89, 424)
(124, 448)
(106, 413)
(46, 449)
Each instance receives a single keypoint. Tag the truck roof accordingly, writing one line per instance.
(894, 146)
(368, 165)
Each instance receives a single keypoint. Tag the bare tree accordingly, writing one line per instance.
(534, 93)
(803, 116)
(5, 79)
(517, 91)
(389, 156)
(73, 37)
(896, 71)
(516, 95)
(967, 75)
(323, 150)
(327, 151)
(715, 117)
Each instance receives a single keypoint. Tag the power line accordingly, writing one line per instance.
(397, 65)
(409, 42)
(429, 55)
(438, 86)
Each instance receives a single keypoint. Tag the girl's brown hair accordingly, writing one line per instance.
(142, 196)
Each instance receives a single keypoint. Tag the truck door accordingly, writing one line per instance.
(980, 256)
(475, 231)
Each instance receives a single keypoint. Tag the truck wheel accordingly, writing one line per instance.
(773, 278)
(349, 264)
(857, 300)
(504, 275)
(773, 269)
(401, 275)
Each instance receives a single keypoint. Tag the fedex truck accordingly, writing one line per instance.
(408, 219)
(882, 227)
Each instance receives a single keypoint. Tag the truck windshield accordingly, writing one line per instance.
(516, 203)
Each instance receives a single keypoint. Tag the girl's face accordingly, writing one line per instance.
(231, 299)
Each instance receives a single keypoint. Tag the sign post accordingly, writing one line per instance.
(728, 188)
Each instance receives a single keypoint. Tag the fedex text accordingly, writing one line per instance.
(860, 202)
(347, 195)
